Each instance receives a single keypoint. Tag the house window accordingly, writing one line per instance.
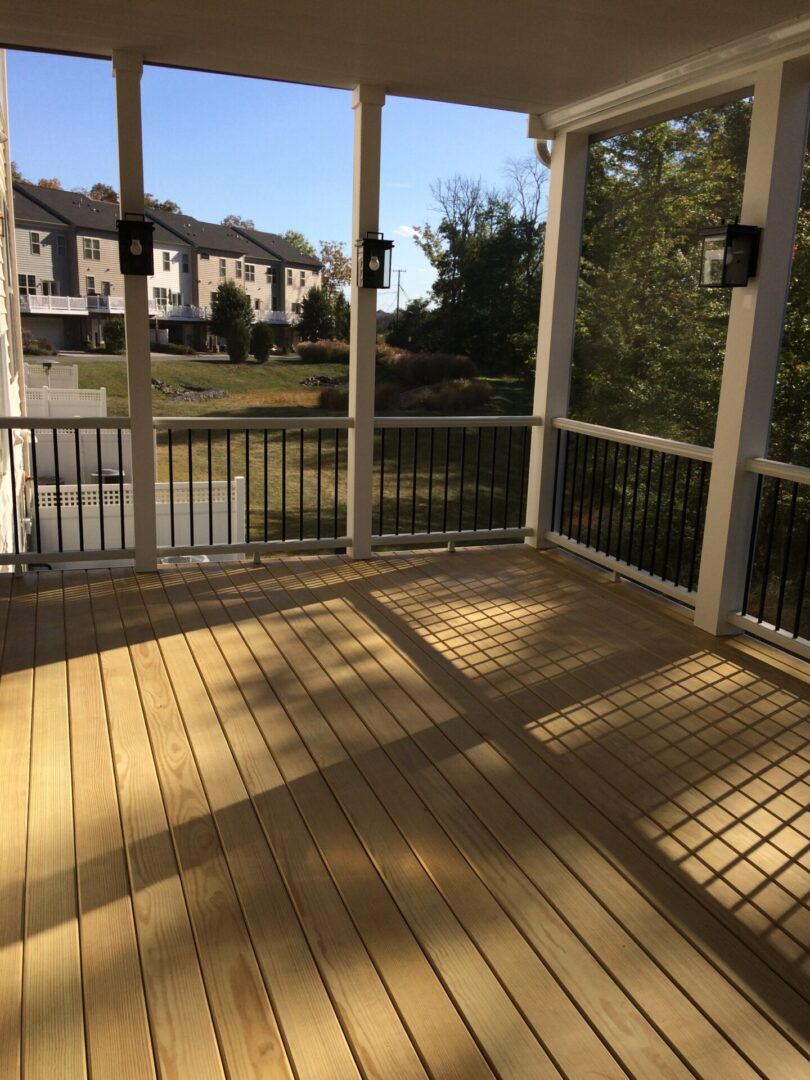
(34, 238)
(185, 264)
(274, 304)
(167, 261)
(222, 268)
(270, 274)
(289, 276)
(28, 284)
(256, 304)
(213, 297)
(250, 272)
(176, 299)
(296, 309)
(61, 249)
(50, 288)
(90, 285)
(92, 247)
(302, 280)
(106, 288)
(204, 255)
(161, 295)
(238, 268)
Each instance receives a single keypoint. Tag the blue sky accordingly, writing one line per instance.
(278, 153)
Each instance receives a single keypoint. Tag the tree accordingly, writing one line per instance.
(53, 184)
(16, 176)
(336, 267)
(231, 318)
(261, 341)
(317, 316)
(299, 242)
(112, 331)
(168, 206)
(487, 253)
(102, 192)
(415, 329)
(341, 313)
(235, 221)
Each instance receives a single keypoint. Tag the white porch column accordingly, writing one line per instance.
(367, 102)
(558, 305)
(773, 178)
(127, 70)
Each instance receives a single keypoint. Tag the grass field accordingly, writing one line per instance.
(283, 497)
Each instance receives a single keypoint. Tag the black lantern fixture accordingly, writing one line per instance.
(136, 245)
(374, 271)
(728, 257)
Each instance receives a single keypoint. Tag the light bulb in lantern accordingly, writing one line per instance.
(374, 263)
(136, 247)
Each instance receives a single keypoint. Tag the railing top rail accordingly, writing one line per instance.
(31, 423)
(252, 423)
(635, 438)
(456, 421)
(796, 474)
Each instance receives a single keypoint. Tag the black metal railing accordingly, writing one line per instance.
(637, 500)
(443, 478)
(70, 489)
(239, 483)
(777, 586)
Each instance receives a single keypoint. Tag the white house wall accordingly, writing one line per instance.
(173, 280)
(48, 265)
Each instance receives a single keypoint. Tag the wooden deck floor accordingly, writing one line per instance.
(426, 815)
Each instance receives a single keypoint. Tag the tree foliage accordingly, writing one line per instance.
(299, 241)
(231, 318)
(317, 321)
(261, 341)
(168, 206)
(114, 335)
(53, 184)
(336, 267)
(16, 176)
(487, 253)
(100, 192)
(235, 221)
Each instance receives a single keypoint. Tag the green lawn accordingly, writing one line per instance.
(276, 507)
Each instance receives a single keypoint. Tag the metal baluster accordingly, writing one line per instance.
(78, 487)
(170, 450)
(283, 483)
(318, 493)
(524, 451)
(679, 556)
(446, 478)
(594, 468)
(211, 488)
(478, 440)
(57, 478)
(301, 486)
(36, 487)
(337, 477)
(509, 476)
(614, 476)
(605, 448)
(100, 491)
(190, 490)
(802, 583)
(786, 557)
(636, 481)
(264, 452)
(573, 485)
(657, 518)
(13, 474)
(647, 486)
(413, 489)
(119, 440)
(699, 519)
(766, 571)
(228, 484)
(430, 478)
(247, 487)
(399, 480)
(672, 490)
(461, 478)
(586, 447)
(492, 475)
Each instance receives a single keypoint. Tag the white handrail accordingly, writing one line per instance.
(36, 423)
(253, 423)
(781, 470)
(635, 438)
(456, 421)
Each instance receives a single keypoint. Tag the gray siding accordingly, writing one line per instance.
(48, 265)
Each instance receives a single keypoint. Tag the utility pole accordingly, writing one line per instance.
(399, 274)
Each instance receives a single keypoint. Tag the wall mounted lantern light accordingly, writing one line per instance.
(136, 245)
(728, 257)
(374, 269)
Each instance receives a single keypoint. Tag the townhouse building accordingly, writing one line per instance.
(69, 279)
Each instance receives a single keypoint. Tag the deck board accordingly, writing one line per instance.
(422, 815)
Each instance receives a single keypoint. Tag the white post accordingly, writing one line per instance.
(367, 102)
(555, 339)
(773, 179)
(127, 71)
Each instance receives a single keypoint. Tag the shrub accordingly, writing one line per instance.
(238, 343)
(323, 352)
(38, 346)
(451, 397)
(421, 369)
(261, 341)
(114, 335)
(336, 398)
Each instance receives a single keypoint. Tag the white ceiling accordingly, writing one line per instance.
(525, 55)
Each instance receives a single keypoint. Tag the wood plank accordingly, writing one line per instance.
(116, 1019)
(557, 1023)
(444, 1042)
(672, 1013)
(317, 1044)
(18, 621)
(500, 1029)
(456, 690)
(53, 1019)
(361, 999)
(183, 1033)
(246, 1024)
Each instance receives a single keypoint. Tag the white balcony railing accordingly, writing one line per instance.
(114, 305)
(61, 305)
(280, 318)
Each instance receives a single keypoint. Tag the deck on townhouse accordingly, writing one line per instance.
(455, 816)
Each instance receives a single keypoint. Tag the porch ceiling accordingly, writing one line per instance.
(526, 55)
